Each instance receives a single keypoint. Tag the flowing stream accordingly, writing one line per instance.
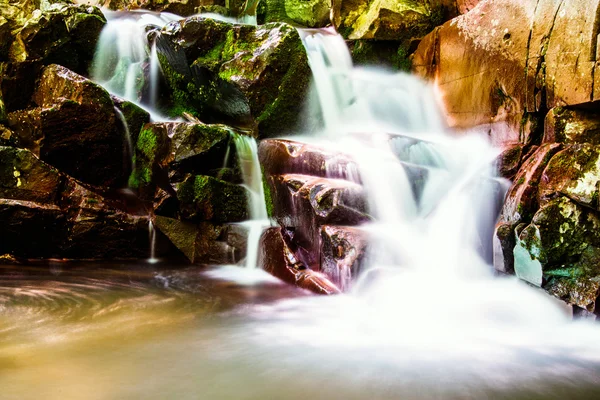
(426, 320)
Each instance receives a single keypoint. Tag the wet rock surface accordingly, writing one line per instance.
(46, 213)
(237, 58)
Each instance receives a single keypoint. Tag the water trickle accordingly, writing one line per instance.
(247, 153)
(128, 158)
(152, 238)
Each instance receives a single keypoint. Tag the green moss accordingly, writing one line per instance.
(268, 195)
(147, 143)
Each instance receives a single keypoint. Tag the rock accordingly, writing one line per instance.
(574, 173)
(17, 83)
(386, 20)
(279, 260)
(204, 198)
(563, 238)
(302, 200)
(205, 243)
(178, 7)
(56, 33)
(8, 137)
(30, 229)
(520, 205)
(166, 153)
(44, 213)
(464, 6)
(342, 251)
(268, 64)
(572, 125)
(308, 13)
(279, 157)
(522, 198)
(580, 292)
(390, 53)
(509, 161)
(24, 177)
(77, 130)
(502, 40)
(304, 203)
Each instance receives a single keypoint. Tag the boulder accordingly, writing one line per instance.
(388, 53)
(342, 252)
(74, 128)
(520, 205)
(205, 243)
(204, 198)
(562, 240)
(279, 260)
(574, 173)
(572, 125)
(165, 153)
(45, 213)
(52, 32)
(308, 13)
(386, 20)
(267, 64)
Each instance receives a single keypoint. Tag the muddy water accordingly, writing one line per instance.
(131, 332)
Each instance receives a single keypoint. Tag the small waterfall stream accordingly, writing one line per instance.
(247, 153)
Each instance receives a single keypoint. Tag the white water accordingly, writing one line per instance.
(128, 158)
(428, 311)
(247, 154)
(123, 52)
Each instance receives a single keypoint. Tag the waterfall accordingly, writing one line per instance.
(247, 153)
(123, 53)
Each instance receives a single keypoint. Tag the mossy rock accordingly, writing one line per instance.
(204, 198)
(307, 13)
(563, 239)
(575, 173)
(268, 64)
(389, 53)
(385, 20)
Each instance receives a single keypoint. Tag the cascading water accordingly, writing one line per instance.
(247, 154)
(123, 53)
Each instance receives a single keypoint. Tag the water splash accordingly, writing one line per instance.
(247, 153)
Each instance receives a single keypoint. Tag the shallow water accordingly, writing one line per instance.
(231, 333)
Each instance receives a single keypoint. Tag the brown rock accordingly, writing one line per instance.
(278, 259)
(342, 251)
(485, 52)
(279, 157)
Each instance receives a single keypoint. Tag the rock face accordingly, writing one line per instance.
(74, 128)
(266, 64)
(45, 213)
(387, 20)
(486, 51)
